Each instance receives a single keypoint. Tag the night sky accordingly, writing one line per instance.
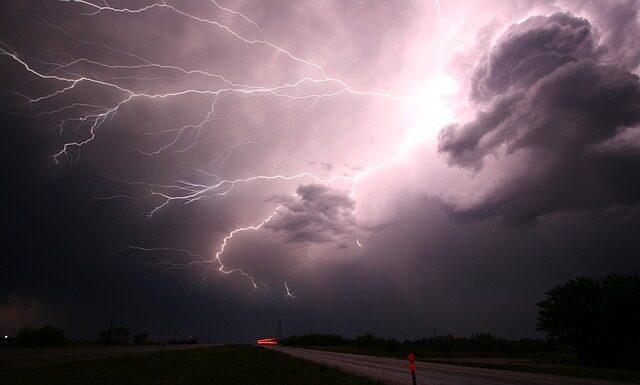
(211, 167)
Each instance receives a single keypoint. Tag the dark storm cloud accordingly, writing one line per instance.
(545, 90)
(316, 214)
(621, 30)
(531, 50)
(69, 251)
(67, 259)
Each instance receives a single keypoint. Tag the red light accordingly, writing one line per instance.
(267, 341)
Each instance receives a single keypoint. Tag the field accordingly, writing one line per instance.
(227, 365)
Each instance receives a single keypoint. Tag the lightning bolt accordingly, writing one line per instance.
(69, 75)
(218, 255)
(289, 294)
(449, 24)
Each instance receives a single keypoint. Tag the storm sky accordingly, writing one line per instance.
(210, 167)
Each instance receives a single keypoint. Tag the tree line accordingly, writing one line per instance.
(443, 344)
(598, 319)
(51, 336)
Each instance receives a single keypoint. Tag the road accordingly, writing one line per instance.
(11, 358)
(395, 371)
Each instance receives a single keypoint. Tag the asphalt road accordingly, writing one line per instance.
(395, 371)
(10, 358)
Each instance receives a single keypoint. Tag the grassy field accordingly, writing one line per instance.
(544, 363)
(226, 365)
(630, 376)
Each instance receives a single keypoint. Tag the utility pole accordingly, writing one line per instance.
(107, 338)
(279, 331)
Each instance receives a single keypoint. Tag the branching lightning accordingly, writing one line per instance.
(70, 74)
(218, 255)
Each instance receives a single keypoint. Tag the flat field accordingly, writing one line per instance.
(226, 365)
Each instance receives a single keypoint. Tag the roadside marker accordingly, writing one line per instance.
(412, 367)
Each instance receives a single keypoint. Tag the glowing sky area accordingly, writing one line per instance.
(214, 166)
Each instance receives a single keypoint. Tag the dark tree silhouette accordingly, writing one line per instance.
(316, 340)
(45, 336)
(141, 339)
(601, 318)
(116, 335)
(424, 346)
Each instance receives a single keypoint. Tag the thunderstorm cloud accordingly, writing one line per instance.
(546, 88)
(183, 165)
(315, 214)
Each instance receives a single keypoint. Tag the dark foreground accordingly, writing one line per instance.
(395, 371)
(226, 365)
(21, 357)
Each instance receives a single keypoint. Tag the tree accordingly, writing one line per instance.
(141, 339)
(116, 335)
(600, 318)
(45, 336)
(369, 342)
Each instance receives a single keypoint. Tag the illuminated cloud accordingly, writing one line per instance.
(544, 89)
(316, 214)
